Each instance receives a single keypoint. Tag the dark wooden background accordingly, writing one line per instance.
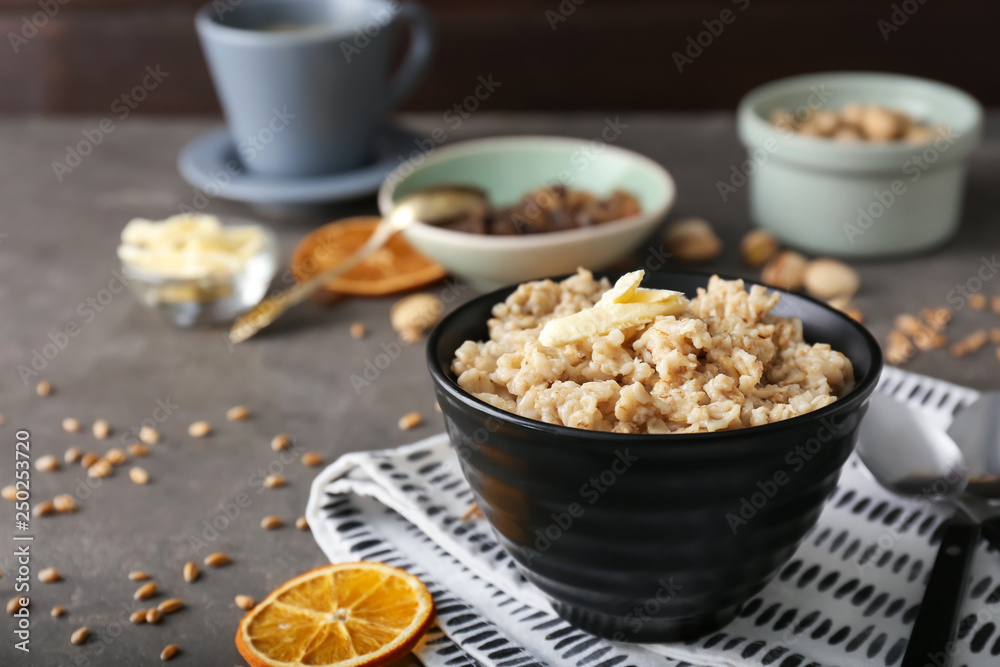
(606, 55)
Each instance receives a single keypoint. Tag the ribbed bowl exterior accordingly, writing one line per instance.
(652, 538)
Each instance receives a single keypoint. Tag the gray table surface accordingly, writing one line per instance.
(57, 250)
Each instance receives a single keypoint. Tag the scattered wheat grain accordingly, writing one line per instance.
(237, 413)
(280, 442)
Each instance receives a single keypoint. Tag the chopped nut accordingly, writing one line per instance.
(782, 118)
(153, 616)
(115, 456)
(692, 240)
(923, 336)
(918, 135)
(410, 420)
(169, 651)
(238, 413)
(758, 246)
(102, 468)
(170, 606)
(271, 523)
(79, 635)
(280, 442)
(881, 124)
(301, 523)
(245, 602)
(900, 349)
(357, 330)
(72, 455)
(64, 503)
(89, 459)
(414, 314)
(9, 492)
(828, 278)
(274, 481)
(312, 459)
(138, 475)
(785, 270)
(47, 463)
(217, 559)
(977, 301)
(138, 617)
(995, 335)
(149, 435)
(191, 571)
(138, 449)
(101, 429)
(994, 306)
(472, 513)
(818, 122)
(57, 611)
(970, 343)
(826, 122)
(138, 575)
(71, 425)
(145, 591)
(199, 429)
(847, 133)
(936, 318)
(44, 388)
(49, 575)
(14, 605)
(44, 508)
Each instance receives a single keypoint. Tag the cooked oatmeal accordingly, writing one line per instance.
(724, 362)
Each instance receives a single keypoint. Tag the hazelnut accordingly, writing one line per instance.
(757, 247)
(825, 122)
(881, 124)
(828, 278)
(692, 240)
(785, 270)
(847, 133)
(783, 119)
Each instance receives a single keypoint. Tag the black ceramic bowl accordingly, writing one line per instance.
(652, 538)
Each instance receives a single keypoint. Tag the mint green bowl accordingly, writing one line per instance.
(507, 168)
(857, 199)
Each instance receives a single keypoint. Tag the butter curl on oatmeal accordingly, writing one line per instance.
(720, 361)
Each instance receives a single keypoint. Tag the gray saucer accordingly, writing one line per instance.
(210, 163)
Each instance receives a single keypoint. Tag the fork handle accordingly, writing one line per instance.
(991, 531)
(935, 625)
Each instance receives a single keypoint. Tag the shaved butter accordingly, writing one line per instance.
(623, 290)
(624, 305)
(189, 246)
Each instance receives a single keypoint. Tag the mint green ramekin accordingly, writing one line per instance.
(859, 199)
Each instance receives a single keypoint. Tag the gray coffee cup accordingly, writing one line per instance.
(304, 84)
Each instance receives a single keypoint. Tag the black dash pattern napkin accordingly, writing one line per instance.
(848, 597)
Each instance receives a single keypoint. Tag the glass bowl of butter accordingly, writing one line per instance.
(197, 269)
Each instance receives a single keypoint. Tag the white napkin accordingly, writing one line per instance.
(848, 596)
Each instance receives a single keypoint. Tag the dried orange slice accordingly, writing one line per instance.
(396, 267)
(345, 615)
